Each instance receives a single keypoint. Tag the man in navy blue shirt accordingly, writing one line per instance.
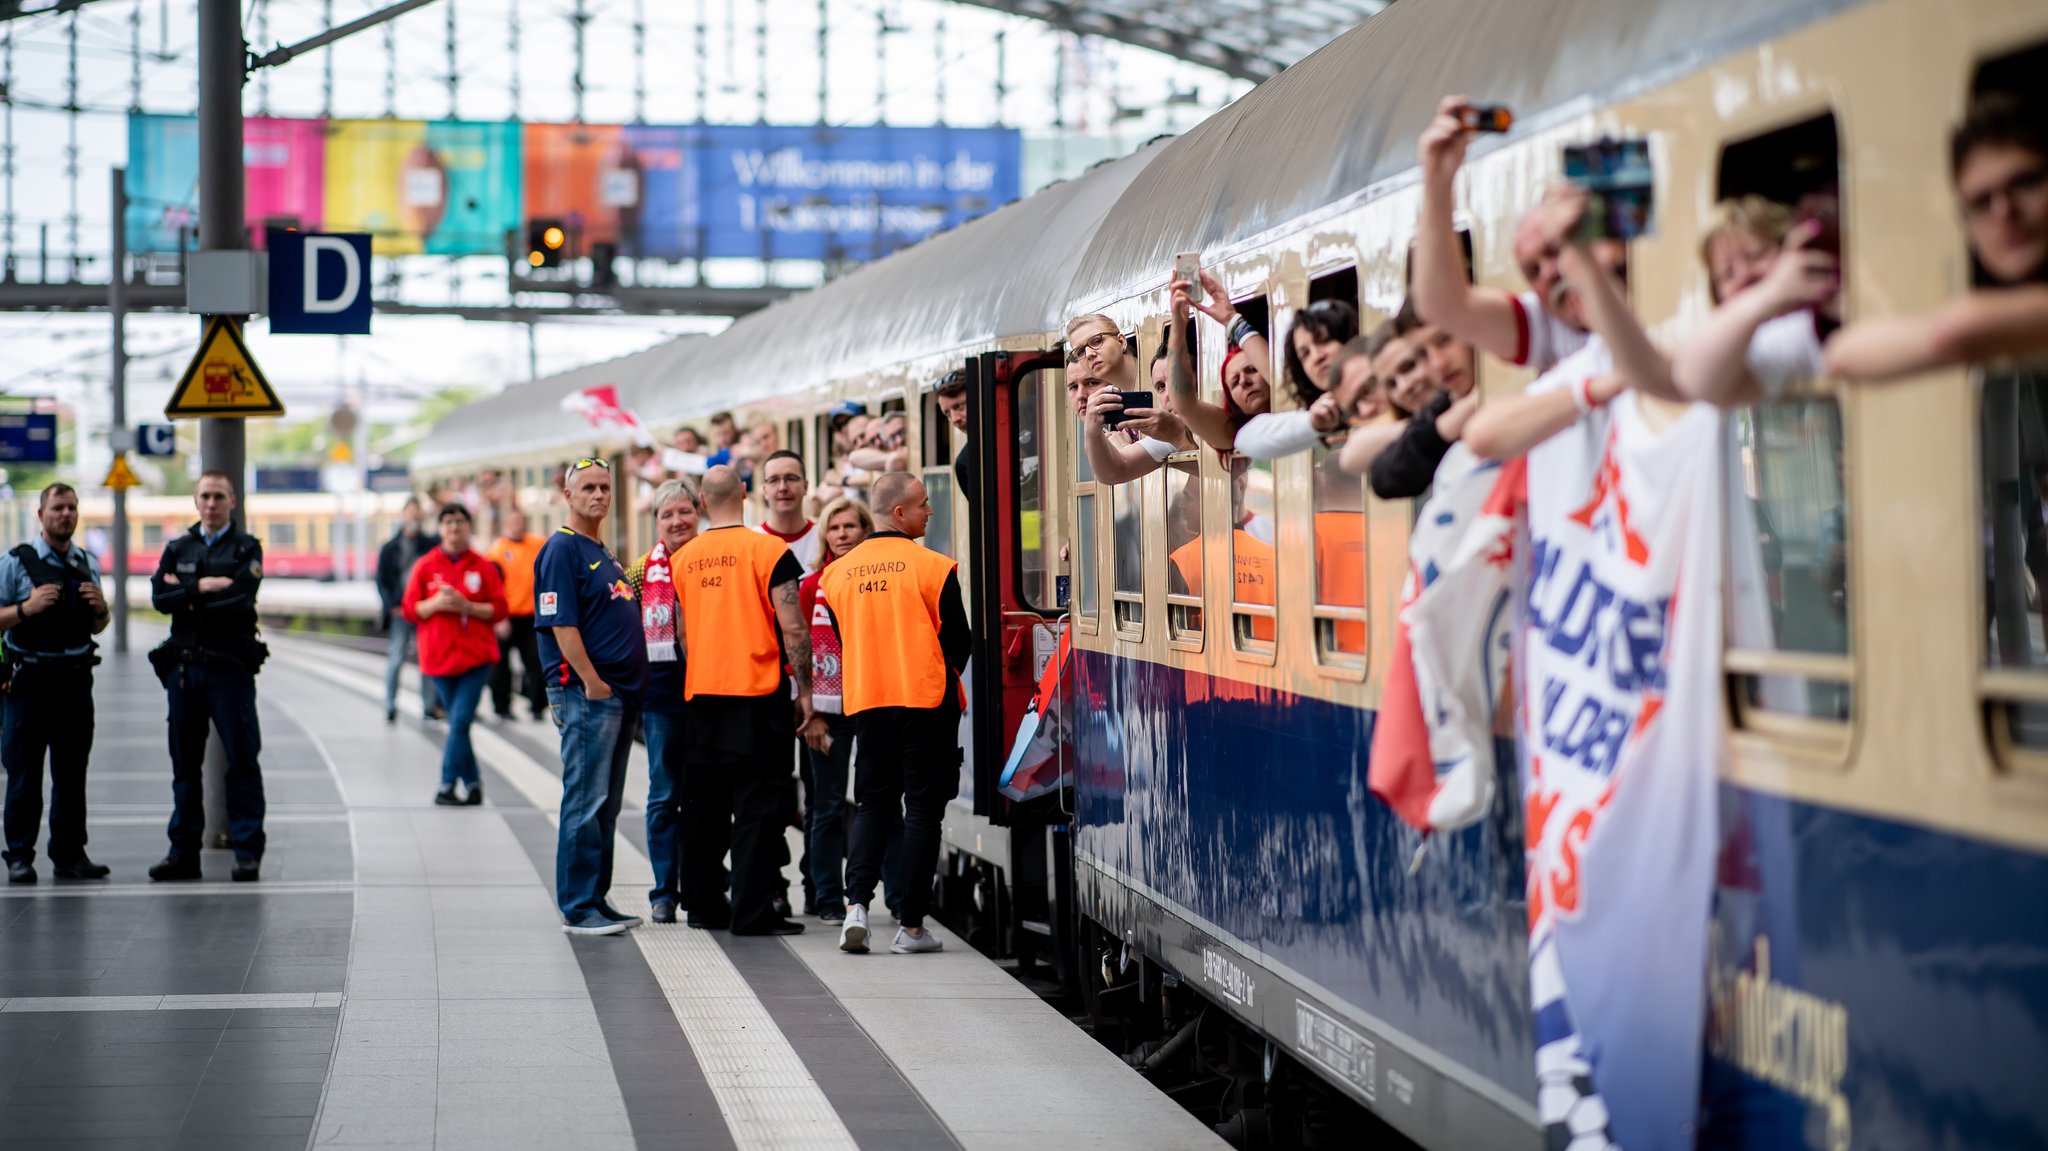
(594, 657)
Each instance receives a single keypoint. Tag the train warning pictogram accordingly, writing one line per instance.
(223, 379)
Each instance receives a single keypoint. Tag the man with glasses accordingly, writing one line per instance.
(784, 488)
(594, 657)
(206, 582)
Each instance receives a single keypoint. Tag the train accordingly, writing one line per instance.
(1215, 880)
(304, 535)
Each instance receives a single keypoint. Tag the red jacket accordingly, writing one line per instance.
(450, 642)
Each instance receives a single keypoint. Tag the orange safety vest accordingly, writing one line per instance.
(1253, 558)
(721, 579)
(516, 559)
(885, 595)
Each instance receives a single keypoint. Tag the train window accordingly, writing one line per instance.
(1084, 558)
(1788, 581)
(282, 534)
(938, 534)
(1251, 554)
(2013, 453)
(1340, 557)
(937, 437)
(1037, 554)
(152, 535)
(1127, 559)
(1184, 550)
(793, 437)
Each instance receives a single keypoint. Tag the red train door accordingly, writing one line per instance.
(1016, 594)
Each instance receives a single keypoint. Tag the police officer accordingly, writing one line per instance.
(206, 582)
(53, 609)
(736, 591)
(904, 639)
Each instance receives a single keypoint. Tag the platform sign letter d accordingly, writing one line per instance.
(319, 283)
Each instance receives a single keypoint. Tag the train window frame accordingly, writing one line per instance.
(935, 469)
(1127, 608)
(1185, 619)
(1084, 564)
(1242, 614)
(2002, 690)
(1028, 390)
(1749, 158)
(1344, 281)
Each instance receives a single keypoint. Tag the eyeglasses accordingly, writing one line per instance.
(1981, 204)
(1093, 343)
(589, 462)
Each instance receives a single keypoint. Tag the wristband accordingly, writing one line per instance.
(1240, 331)
(1582, 395)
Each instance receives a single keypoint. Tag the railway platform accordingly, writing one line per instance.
(399, 979)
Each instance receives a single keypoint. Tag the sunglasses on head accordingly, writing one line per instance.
(589, 462)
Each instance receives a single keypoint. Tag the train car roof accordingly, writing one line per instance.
(1001, 275)
(1347, 116)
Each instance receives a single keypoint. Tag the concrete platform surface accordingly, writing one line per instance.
(398, 978)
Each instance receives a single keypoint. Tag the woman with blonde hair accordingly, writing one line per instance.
(676, 514)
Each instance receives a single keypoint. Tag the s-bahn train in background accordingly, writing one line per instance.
(305, 535)
(1216, 880)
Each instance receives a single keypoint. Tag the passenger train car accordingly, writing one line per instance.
(305, 535)
(1879, 968)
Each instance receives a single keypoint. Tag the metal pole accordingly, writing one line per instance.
(117, 305)
(223, 59)
(223, 444)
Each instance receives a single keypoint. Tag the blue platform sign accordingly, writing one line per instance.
(319, 283)
(28, 438)
(156, 440)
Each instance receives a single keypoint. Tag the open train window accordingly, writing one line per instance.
(1789, 583)
(1184, 551)
(1037, 549)
(1338, 527)
(1254, 572)
(2013, 454)
(935, 434)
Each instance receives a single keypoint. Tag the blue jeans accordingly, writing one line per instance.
(203, 694)
(597, 739)
(664, 734)
(395, 656)
(463, 691)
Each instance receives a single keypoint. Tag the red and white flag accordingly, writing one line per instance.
(600, 405)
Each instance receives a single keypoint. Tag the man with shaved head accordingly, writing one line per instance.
(904, 640)
(736, 600)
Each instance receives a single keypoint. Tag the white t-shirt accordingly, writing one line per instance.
(1270, 435)
(1562, 467)
(1785, 351)
(1542, 340)
(806, 546)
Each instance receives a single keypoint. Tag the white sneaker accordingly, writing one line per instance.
(853, 934)
(908, 944)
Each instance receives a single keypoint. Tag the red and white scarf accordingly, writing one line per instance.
(658, 606)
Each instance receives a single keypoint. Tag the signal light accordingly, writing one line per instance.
(545, 241)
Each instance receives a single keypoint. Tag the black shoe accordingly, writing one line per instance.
(475, 796)
(707, 922)
(247, 871)
(446, 798)
(436, 713)
(82, 868)
(664, 911)
(176, 867)
(390, 715)
(772, 927)
(20, 873)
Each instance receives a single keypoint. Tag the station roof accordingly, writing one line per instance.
(1248, 39)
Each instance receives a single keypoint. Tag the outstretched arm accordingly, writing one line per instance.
(1443, 296)
(1712, 366)
(1209, 422)
(1509, 426)
(1974, 327)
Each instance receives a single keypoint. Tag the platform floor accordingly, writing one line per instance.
(399, 979)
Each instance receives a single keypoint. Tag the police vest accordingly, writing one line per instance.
(885, 595)
(721, 580)
(65, 626)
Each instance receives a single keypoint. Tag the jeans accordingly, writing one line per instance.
(396, 654)
(226, 698)
(527, 643)
(826, 815)
(597, 739)
(664, 733)
(909, 763)
(462, 691)
(47, 710)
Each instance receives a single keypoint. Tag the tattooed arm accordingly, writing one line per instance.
(796, 643)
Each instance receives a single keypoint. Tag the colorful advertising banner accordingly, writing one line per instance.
(682, 192)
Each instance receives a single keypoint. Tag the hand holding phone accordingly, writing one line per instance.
(1620, 188)
(1132, 401)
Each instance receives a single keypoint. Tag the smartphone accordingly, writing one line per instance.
(1133, 401)
(1187, 269)
(1621, 184)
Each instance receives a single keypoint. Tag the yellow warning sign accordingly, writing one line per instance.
(120, 476)
(223, 379)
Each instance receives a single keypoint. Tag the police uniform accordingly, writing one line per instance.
(903, 638)
(209, 670)
(739, 731)
(49, 706)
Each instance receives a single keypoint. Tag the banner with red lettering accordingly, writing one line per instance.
(1618, 671)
